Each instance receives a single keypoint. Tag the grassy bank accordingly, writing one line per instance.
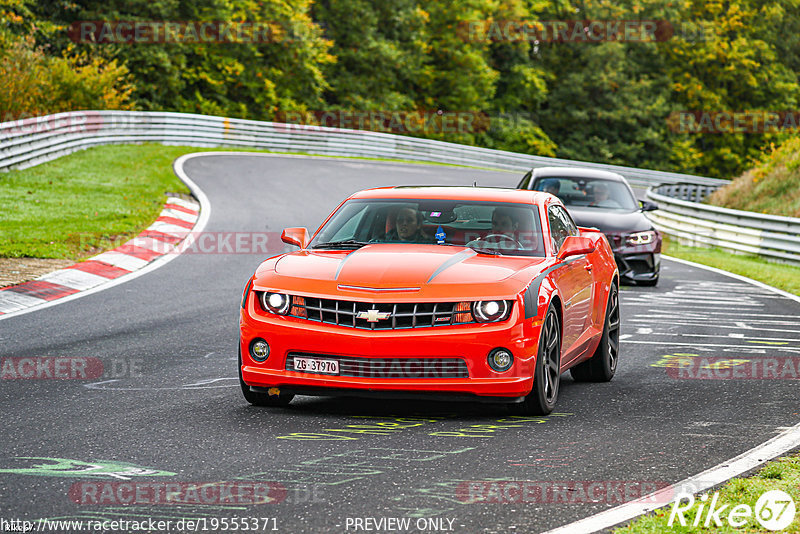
(68, 207)
(782, 276)
(781, 474)
(773, 186)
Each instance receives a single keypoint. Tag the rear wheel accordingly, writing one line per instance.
(603, 363)
(261, 399)
(547, 376)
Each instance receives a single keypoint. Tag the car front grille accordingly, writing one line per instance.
(381, 316)
(405, 367)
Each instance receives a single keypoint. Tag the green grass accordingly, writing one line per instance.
(781, 474)
(64, 208)
(91, 200)
(772, 186)
(780, 275)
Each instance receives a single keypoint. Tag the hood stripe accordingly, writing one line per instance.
(461, 256)
(341, 264)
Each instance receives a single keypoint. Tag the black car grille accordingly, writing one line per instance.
(386, 316)
(406, 367)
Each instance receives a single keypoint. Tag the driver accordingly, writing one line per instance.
(505, 221)
(602, 198)
(408, 227)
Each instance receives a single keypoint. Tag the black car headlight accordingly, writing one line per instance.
(488, 311)
(276, 303)
(641, 238)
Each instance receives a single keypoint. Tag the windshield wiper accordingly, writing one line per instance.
(476, 249)
(347, 243)
(491, 251)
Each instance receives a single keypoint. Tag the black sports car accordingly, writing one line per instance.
(604, 200)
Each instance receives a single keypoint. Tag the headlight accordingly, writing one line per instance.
(277, 303)
(487, 311)
(641, 238)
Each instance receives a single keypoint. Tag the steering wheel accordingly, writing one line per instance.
(497, 244)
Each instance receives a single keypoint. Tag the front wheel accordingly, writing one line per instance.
(261, 399)
(547, 376)
(603, 363)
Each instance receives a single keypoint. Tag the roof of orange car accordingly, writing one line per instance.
(490, 194)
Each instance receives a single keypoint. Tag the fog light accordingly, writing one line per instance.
(259, 350)
(501, 360)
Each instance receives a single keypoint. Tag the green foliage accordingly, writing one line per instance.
(254, 77)
(34, 83)
(605, 101)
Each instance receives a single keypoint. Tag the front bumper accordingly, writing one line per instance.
(469, 342)
(638, 267)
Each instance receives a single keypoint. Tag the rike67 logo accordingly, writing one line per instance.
(774, 510)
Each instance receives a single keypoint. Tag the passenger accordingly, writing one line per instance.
(408, 228)
(551, 186)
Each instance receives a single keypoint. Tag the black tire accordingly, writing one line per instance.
(547, 376)
(603, 363)
(261, 399)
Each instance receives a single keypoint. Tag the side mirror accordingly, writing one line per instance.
(295, 236)
(575, 246)
(648, 206)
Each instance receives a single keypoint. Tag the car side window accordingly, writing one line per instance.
(572, 228)
(526, 180)
(558, 228)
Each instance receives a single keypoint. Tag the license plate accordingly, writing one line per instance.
(314, 365)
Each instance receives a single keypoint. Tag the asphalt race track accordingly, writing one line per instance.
(165, 406)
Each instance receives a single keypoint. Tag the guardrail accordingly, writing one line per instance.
(770, 236)
(33, 141)
(29, 142)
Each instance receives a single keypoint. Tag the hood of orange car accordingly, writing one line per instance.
(426, 270)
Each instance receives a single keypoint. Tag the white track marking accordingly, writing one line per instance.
(210, 383)
(74, 278)
(162, 247)
(175, 214)
(172, 229)
(784, 442)
(11, 301)
(710, 345)
(182, 203)
(737, 326)
(123, 261)
(736, 277)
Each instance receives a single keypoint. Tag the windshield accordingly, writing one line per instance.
(588, 192)
(496, 228)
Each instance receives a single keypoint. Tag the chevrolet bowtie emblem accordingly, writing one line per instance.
(373, 315)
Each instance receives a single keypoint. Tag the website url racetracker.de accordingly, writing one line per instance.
(202, 524)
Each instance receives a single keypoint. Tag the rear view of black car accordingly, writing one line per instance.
(605, 200)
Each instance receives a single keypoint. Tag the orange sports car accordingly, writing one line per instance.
(480, 294)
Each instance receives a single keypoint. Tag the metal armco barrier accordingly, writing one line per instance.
(770, 236)
(32, 141)
(29, 142)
